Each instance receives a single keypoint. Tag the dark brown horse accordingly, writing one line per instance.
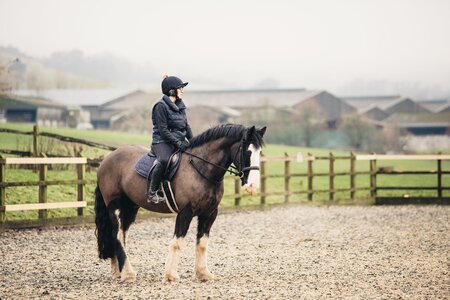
(197, 187)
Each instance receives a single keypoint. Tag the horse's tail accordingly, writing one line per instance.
(104, 230)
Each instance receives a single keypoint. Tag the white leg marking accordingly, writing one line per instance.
(201, 267)
(253, 180)
(127, 274)
(175, 247)
(115, 268)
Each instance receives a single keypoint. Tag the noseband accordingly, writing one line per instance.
(237, 171)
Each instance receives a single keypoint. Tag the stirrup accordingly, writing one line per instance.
(154, 198)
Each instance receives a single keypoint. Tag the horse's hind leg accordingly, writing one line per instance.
(183, 221)
(120, 265)
(125, 216)
(204, 225)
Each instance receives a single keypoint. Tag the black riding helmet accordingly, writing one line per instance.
(171, 82)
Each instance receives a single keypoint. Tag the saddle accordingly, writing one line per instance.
(144, 167)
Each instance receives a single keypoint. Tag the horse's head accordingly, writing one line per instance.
(247, 158)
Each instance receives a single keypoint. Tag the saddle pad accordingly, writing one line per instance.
(147, 162)
(145, 165)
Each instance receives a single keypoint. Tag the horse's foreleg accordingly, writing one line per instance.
(204, 226)
(183, 221)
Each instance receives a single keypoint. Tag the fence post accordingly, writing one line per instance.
(81, 172)
(35, 145)
(2, 190)
(373, 179)
(263, 181)
(36, 141)
(43, 189)
(352, 176)
(331, 177)
(310, 178)
(287, 178)
(439, 177)
(237, 191)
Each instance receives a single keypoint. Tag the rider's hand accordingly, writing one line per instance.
(183, 145)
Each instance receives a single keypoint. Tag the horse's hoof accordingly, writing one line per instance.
(171, 277)
(207, 276)
(128, 277)
(115, 274)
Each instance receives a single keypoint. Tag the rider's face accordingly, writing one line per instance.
(180, 92)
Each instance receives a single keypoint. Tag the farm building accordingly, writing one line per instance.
(445, 108)
(270, 105)
(130, 110)
(324, 106)
(32, 110)
(423, 123)
(436, 105)
(100, 107)
(244, 98)
(380, 107)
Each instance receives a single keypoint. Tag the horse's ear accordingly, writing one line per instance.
(250, 132)
(262, 131)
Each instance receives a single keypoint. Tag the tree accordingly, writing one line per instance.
(309, 121)
(360, 134)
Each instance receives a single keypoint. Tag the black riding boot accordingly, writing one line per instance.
(157, 177)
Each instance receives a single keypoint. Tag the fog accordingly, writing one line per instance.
(347, 47)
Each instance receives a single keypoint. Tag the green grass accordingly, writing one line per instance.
(64, 193)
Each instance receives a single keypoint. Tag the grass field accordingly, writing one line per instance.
(68, 193)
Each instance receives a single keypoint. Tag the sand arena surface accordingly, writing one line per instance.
(295, 252)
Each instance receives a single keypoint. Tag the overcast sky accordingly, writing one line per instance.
(313, 44)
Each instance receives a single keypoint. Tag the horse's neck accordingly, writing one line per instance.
(216, 152)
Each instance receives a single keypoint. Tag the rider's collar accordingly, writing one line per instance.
(177, 106)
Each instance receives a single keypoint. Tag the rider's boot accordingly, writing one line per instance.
(157, 177)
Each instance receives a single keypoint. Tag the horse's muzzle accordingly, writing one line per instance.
(251, 188)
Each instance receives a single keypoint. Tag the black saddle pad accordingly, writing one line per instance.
(146, 163)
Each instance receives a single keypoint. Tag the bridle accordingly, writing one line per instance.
(237, 171)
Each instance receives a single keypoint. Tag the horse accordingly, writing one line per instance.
(197, 187)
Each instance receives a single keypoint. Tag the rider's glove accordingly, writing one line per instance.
(183, 145)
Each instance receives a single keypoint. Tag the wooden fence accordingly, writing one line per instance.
(310, 174)
(43, 183)
(37, 134)
(287, 175)
(373, 174)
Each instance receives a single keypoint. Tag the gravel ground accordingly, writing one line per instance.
(300, 252)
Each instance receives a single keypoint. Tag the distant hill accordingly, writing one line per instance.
(106, 66)
(72, 69)
(22, 71)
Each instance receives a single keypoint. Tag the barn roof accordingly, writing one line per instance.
(390, 104)
(76, 97)
(14, 100)
(435, 105)
(365, 103)
(248, 98)
(420, 118)
(135, 98)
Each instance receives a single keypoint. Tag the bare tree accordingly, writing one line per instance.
(360, 134)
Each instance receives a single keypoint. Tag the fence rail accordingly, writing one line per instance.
(286, 190)
(373, 173)
(43, 183)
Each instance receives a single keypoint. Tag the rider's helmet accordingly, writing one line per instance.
(170, 83)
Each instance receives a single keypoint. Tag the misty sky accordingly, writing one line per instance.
(312, 44)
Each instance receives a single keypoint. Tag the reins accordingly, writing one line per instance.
(232, 169)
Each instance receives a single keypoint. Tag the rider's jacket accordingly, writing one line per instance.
(170, 123)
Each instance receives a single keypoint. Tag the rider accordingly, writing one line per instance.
(171, 130)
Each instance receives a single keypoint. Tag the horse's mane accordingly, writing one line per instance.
(232, 131)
